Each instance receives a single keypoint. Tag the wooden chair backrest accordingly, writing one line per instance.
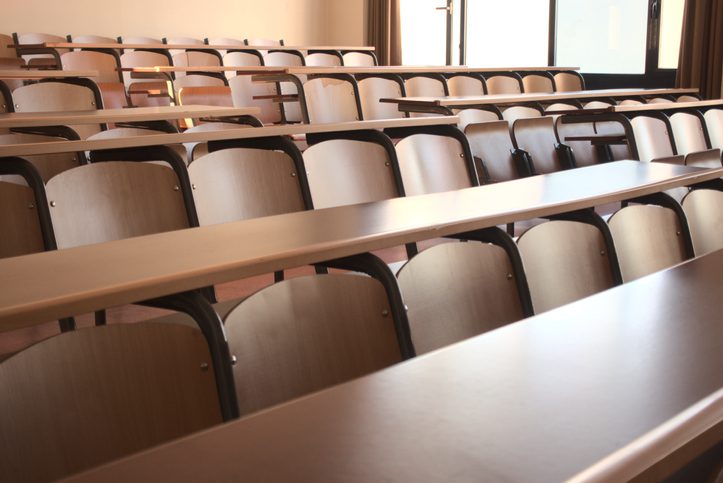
(537, 83)
(142, 58)
(630, 102)
(240, 59)
(652, 138)
(108, 201)
(688, 133)
(330, 100)
(243, 91)
(39, 38)
(321, 59)
(475, 116)
(48, 165)
(317, 331)
(371, 90)
(465, 85)
(564, 261)
(421, 86)
(105, 64)
(93, 39)
(503, 84)
(195, 59)
(490, 142)
(687, 98)
(240, 183)
(358, 59)
(585, 153)
(19, 221)
(647, 238)
(140, 40)
(216, 95)
(195, 150)
(704, 211)
(430, 164)
(454, 291)
(114, 95)
(197, 80)
(346, 172)
(89, 396)
(567, 82)
(714, 125)
(513, 113)
(537, 137)
(7, 52)
(57, 96)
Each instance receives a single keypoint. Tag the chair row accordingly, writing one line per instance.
(305, 334)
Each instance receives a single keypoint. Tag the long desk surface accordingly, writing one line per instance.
(76, 45)
(421, 69)
(220, 135)
(471, 101)
(129, 114)
(51, 285)
(621, 384)
(30, 74)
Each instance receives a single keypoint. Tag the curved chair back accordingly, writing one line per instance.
(142, 58)
(475, 116)
(19, 221)
(243, 91)
(542, 82)
(714, 125)
(503, 84)
(239, 183)
(537, 137)
(466, 85)
(454, 291)
(704, 211)
(492, 148)
(371, 89)
(688, 133)
(90, 396)
(569, 81)
(323, 59)
(331, 100)
(652, 138)
(317, 331)
(48, 165)
(359, 59)
(564, 261)
(513, 113)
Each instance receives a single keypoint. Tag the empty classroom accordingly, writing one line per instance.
(361, 240)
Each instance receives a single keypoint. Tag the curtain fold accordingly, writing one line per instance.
(383, 30)
(701, 48)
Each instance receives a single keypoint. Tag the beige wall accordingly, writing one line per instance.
(297, 21)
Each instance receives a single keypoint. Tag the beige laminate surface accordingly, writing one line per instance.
(161, 139)
(661, 106)
(420, 69)
(452, 101)
(44, 74)
(598, 390)
(68, 282)
(130, 114)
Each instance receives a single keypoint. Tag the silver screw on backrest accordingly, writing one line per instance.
(176, 188)
(385, 312)
(52, 203)
(31, 206)
(204, 366)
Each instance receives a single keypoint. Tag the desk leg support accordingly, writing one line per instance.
(377, 269)
(197, 306)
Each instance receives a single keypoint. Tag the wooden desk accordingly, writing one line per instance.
(622, 384)
(130, 114)
(29, 74)
(74, 45)
(221, 135)
(399, 69)
(162, 69)
(446, 104)
(664, 106)
(47, 286)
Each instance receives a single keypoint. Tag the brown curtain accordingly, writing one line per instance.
(701, 47)
(383, 30)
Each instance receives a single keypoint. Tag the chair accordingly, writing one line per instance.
(92, 39)
(617, 151)
(359, 59)
(371, 89)
(61, 95)
(476, 116)
(48, 165)
(330, 99)
(537, 137)
(658, 100)
(317, 331)
(429, 85)
(90, 396)
(569, 81)
(704, 212)
(559, 106)
(466, 85)
(224, 41)
(193, 58)
(109, 201)
(181, 41)
(109, 79)
(566, 260)
(324, 59)
(139, 40)
(649, 238)
(291, 110)
(586, 153)
(243, 91)
(195, 150)
(511, 114)
(652, 138)
(454, 291)
(714, 126)
(496, 157)
(430, 163)
(504, 84)
(242, 59)
(690, 138)
(139, 89)
(41, 58)
(240, 183)
(538, 82)
(630, 102)
(350, 171)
